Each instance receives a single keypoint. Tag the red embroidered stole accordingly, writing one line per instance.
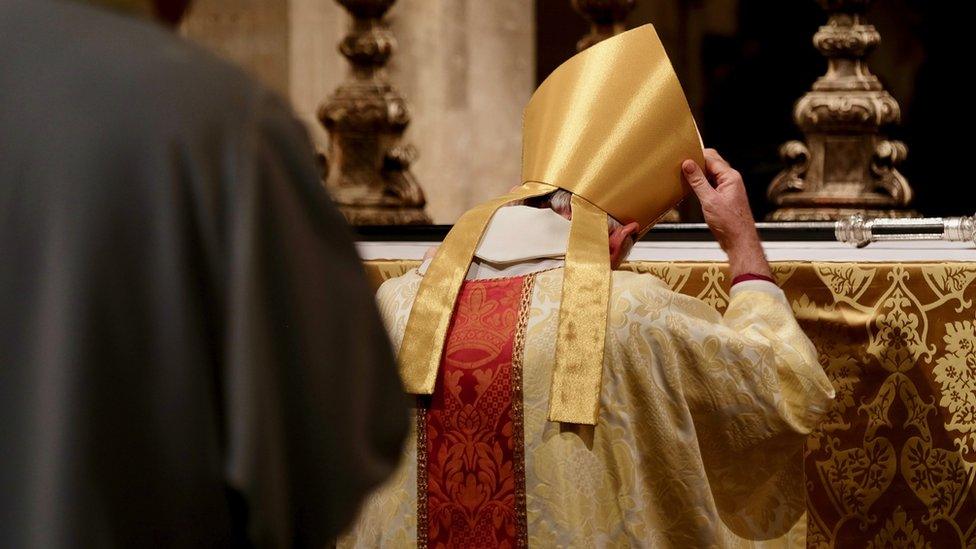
(470, 466)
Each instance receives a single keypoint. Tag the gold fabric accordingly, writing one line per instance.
(420, 355)
(895, 459)
(698, 441)
(612, 125)
(575, 393)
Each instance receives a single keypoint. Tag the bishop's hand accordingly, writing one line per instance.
(726, 208)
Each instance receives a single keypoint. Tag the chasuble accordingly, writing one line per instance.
(698, 441)
(182, 310)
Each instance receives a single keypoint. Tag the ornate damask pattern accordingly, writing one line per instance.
(895, 463)
(892, 465)
(469, 431)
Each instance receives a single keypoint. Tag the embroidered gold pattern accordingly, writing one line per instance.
(525, 305)
(422, 403)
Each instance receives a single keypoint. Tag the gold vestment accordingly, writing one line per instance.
(699, 437)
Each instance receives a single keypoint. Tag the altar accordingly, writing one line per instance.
(893, 463)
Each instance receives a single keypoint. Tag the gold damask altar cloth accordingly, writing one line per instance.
(894, 461)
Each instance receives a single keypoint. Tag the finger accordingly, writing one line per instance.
(712, 154)
(727, 179)
(431, 252)
(715, 164)
(723, 174)
(697, 180)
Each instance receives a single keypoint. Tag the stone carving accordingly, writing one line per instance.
(846, 165)
(368, 167)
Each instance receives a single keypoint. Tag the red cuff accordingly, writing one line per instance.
(751, 276)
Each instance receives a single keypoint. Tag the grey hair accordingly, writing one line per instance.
(561, 201)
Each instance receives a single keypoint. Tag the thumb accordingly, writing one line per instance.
(696, 179)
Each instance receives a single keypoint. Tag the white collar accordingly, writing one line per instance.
(519, 240)
(520, 233)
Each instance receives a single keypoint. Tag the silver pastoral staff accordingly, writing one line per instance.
(860, 232)
(855, 230)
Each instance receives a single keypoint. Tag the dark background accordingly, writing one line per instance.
(744, 63)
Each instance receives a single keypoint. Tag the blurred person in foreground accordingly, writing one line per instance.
(189, 353)
(563, 403)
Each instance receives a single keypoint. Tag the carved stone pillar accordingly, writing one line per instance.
(606, 19)
(369, 169)
(846, 166)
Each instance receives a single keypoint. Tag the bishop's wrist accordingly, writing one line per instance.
(749, 258)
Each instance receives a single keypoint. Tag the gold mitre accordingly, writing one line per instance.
(612, 126)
